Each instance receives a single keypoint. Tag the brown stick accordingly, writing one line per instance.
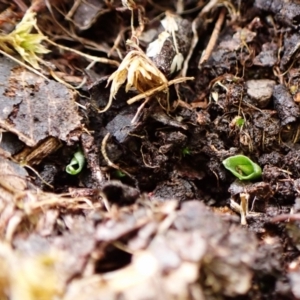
(158, 89)
(214, 36)
(286, 217)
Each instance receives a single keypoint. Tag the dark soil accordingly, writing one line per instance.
(154, 214)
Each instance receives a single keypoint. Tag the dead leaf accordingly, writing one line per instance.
(33, 108)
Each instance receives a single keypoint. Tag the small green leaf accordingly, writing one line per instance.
(186, 151)
(242, 167)
(76, 164)
(240, 122)
(119, 174)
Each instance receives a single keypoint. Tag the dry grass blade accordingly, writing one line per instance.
(158, 89)
(87, 56)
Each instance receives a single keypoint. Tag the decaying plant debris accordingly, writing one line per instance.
(158, 96)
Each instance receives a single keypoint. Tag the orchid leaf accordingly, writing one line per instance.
(242, 167)
(76, 164)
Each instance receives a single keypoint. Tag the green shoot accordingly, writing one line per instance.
(119, 174)
(242, 167)
(186, 151)
(237, 121)
(76, 164)
(240, 122)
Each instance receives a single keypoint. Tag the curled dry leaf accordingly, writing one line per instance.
(177, 62)
(155, 47)
(171, 47)
(169, 22)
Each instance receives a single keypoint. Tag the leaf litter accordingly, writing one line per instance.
(152, 213)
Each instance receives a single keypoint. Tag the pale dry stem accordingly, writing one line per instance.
(160, 88)
(109, 162)
(23, 64)
(214, 37)
(87, 56)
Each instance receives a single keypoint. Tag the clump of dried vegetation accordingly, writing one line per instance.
(27, 44)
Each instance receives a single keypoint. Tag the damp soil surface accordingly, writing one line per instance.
(145, 104)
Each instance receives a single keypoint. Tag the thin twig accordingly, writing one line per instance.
(87, 43)
(214, 37)
(138, 112)
(117, 42)
(23, 7)
(286, 217)
(208, 7)
(23, 64)
(109, 162)
(158, 89)
(87, 56)
(39, 176)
